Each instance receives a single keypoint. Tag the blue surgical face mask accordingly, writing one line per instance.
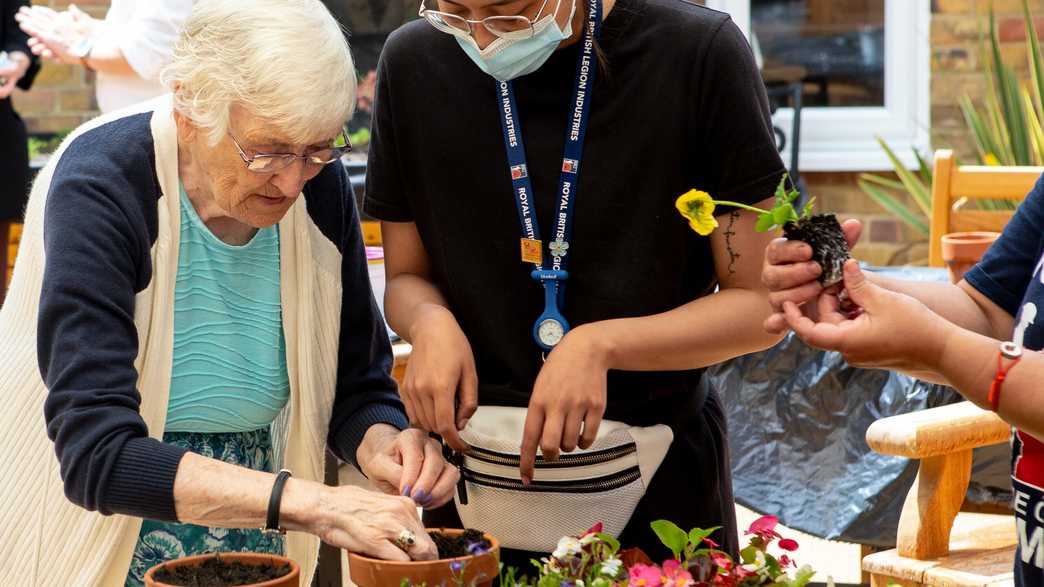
(507, 59)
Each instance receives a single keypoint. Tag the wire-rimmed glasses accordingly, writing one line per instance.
(504, 27)
(273, 162)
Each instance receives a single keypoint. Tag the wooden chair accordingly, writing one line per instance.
(936, 544)
(953, 183)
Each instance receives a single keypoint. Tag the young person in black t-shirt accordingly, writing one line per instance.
(675, 101)
(947, 333)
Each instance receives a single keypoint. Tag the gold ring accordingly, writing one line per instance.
(405, 540)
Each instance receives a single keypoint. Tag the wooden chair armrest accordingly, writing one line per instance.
(937, 431)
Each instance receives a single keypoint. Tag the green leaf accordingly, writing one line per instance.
(783, 214)
(765, 223)
(920, 192)
(923, 168)
(802, 577)
(1036, 62)
(696, 535)
(673, 537)
(781, 191)
(613, 543)
(749, 555)
(885, 182)
(807, 211)
(893, 205)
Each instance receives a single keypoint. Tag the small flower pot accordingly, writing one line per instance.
(253, 559)
(962, 250)
(823, 233)
(480, 570)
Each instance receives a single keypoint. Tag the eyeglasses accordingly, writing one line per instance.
(505, 27)
(273, 162)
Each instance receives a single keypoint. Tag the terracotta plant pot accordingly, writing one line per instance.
(962, 250)
(291, 579)
(482, 569)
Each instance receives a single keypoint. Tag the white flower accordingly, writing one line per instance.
(611, 567)
(568, 547)
(559, 248)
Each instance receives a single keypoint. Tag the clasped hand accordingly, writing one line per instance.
(879, 328)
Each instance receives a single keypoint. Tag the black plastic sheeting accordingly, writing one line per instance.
(797, 423)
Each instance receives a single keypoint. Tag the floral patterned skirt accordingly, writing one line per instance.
(163, 541)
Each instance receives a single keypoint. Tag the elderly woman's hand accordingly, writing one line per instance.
(367, 522)
(791, 275)
(407, 463)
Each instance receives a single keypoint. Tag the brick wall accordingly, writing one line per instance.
(63, 95)
(957, 60)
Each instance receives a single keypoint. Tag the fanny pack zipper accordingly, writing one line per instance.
(565, 461)
(607, 483)
(597, 457)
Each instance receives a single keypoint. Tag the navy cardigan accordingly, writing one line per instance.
(100, 224)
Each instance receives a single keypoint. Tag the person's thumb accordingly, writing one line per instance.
(859, 289)
(852, 229)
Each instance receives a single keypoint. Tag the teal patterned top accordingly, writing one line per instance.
(229, 364)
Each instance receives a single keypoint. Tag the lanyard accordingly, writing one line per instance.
(551, 326)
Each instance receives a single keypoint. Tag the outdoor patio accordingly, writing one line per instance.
(896, 113)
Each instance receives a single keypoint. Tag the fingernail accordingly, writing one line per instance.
(421, 496)
(526, 480)
(406, 491)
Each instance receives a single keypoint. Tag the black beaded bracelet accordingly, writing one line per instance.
(272, 521)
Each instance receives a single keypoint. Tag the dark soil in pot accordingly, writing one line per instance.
(218, 572)
(457, 545)
(823, 233)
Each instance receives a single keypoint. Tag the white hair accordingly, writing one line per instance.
(285, 61)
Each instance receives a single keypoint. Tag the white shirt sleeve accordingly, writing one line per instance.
(147, 41)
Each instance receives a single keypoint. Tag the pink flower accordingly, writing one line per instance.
(721, 561)
(788, 544)
(765, 528)
(710, 543)
(596, 529)
(785, 561)
(675, 575)
(644, 576)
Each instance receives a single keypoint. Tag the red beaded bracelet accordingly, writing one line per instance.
(1011, 351)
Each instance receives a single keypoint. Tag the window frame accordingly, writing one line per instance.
(843, 139)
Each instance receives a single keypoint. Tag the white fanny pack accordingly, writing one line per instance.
(600, 484)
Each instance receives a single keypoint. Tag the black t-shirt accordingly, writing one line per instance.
(679, 104)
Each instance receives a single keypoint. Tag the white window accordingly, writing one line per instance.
(865, 71)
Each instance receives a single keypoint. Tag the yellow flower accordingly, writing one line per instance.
(991, 159)
(698, 207)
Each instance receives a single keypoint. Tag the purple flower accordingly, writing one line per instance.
(456, 567)
(477, 548)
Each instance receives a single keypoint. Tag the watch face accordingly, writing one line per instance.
(550, 332)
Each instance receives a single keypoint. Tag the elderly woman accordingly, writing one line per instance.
(193, 291)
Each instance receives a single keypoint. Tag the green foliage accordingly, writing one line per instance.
(39, 146)
(673, 537)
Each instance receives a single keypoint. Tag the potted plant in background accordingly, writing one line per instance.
(248, 569)
(466, 557)
(821, 231)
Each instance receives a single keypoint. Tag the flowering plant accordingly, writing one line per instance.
(697, 560)
(698, 207)
(594, 559)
